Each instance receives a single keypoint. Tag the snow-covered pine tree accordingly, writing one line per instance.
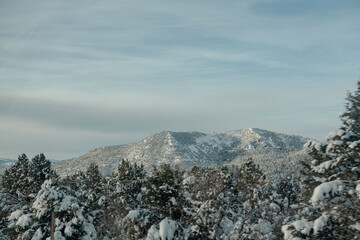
(76, 181)
(249, 178)
(123, 195)
(167, 229)
(260, 208)
(94, 193)
(72, 219)
(93, 177)
(39, 171)
(94, 190)
(162, 191)
(162, 195)
(129, 180)
(15, 180)
(289, 190)
(333, 182)
(90, 190)
(211, 202)
(351, 116)
(89, 184)
(26, 177)
(15, 189)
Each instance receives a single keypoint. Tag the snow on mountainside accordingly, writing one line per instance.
(5, 162)
(274, 152)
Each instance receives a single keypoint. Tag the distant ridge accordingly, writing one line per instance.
(276, 153)
(6, 162)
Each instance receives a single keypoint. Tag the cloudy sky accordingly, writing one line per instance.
(77, 75)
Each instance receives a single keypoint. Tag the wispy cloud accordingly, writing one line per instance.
(117, 71)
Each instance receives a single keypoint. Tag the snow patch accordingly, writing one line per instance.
(320, 223)
(357, 189)
(38, 235)
(304, 226)
(325, 190)
(354, 144)
(153, 233)
(355, 226)
(24, 220)
(264, 226)
(58, 236)
(335, 133)
(15, 215)
(66, 203)
(133, 214)
(343, 113)
(167, 229)
(324, 166)
(189, 180)
(226, 225)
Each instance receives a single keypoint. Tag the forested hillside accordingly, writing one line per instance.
(226, 202)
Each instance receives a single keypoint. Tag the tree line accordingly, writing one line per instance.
(166, 202)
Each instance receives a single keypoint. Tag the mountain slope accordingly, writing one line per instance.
(5, 162)
(187, 149)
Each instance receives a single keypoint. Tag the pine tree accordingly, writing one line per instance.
(162, 191)
(249, 178)
(15, 189)
(123, 195)
(211, 202)
(39, 171)
(93, 177)
(72, 219)
(332, 181)
(90, 190)
(260, 210)
(129, 180)
(94, 193)
(351, 116)
(16, 179)
(289, 191)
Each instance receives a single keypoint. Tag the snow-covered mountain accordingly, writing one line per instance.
(5, 162)
(274, 152)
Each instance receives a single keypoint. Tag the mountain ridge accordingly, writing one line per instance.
(6, 162)
(187, 149)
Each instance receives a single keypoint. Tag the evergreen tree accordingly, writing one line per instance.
(260, 206)
(351, 116)
(15, 190)
(40, 170)
(76, 181)
(136, 223)
(211, 202)
(123, 195)
(162, 191)
(93, 177)
(332, 182)
(289, 191)
(89, 190)
(16, 180)
(94, 192)
(72, 219)
(129, 180)
(249, 178)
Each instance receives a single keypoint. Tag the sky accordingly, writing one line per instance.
(78, 75)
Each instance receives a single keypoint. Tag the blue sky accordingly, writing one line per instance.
(77, 75)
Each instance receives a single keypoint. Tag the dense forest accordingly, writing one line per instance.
(166, 202)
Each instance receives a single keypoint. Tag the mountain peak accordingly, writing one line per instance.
(191, 148)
